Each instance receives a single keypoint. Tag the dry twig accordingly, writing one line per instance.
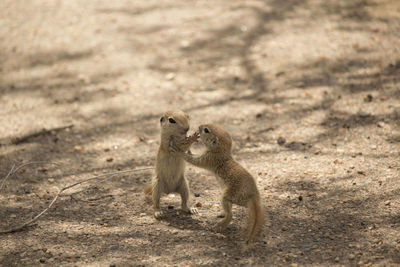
(13, 171)
(113, 174)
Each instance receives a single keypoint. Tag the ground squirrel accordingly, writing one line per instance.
(169, 170)
(238, 185)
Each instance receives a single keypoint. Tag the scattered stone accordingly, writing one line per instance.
(170, 76)
(265, 187)
(109, 159)
(83, 78)
(300, 198)
(258, 115)
(387, 203)
(42, 260)
(113, 265)
(170, 207)
(142, 214)
(351, 256)
(106, 149)
(337, 259)
(197, 194)
(198, 204)
(185, 44)
(51, 180)
(368, 98)
(78, 148)
(336, 161)
(363, 114)
(381, 124)
(281, 140)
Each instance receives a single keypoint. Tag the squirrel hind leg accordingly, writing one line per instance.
(227, 206)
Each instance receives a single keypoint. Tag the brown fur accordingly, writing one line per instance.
(169, 170)
(238, 185)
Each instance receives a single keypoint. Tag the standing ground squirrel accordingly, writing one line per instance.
(169, 171)
(238, 185)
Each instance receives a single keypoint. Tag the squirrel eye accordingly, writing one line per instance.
(206, 130)
(171, 120)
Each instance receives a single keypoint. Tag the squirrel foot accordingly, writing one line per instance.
(192, 210)
(158, 214)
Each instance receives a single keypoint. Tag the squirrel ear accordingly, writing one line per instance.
(215, 141)
(161, 119)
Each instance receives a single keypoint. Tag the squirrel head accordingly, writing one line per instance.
(215, 138)
(175, 122)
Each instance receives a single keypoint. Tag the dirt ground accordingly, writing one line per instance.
(308, 89)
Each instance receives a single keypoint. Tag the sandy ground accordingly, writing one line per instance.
(322, 77)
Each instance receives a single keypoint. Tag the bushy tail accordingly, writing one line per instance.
(256, 218)
(148, 190)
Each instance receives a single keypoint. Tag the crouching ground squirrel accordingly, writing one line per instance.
(238, 185)
(169, 174)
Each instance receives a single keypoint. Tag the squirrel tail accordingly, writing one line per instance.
(256, 218)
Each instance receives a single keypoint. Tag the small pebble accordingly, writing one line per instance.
(368, 98)
(198, 204)
(170, 207)
(196, 194)
(185, 43)
(363, 114)
(78, 148)
(380, 124)
(109, 159)
(281, 140)
(170, 76)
